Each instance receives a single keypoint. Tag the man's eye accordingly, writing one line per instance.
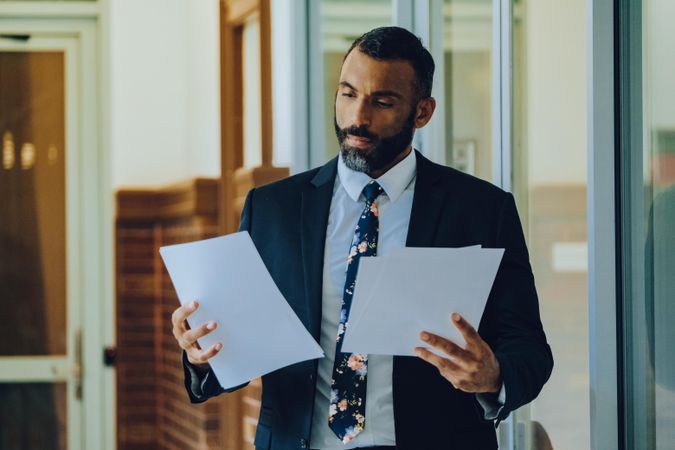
(384, 104)
(347, 94)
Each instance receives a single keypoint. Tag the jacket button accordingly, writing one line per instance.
(311, 377)
(303, 443)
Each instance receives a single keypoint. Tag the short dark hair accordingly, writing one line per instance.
(391, 43)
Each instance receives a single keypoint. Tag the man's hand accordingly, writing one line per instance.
(187, 338)
(474, 369)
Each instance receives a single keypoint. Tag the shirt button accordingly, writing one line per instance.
(303, 443)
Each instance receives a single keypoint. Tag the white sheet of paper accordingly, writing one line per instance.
(371, 270)
(258, 328)
(418, 290)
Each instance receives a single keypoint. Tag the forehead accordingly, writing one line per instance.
(369, 74)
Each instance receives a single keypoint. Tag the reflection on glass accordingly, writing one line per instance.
(660, 308)
(467, 47)
(8, 155)
(32, 205)
(27, 156)
(659, 213)
(33, 416)
(341, 23)
(549, 181)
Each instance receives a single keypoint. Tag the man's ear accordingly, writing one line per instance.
(425, 109)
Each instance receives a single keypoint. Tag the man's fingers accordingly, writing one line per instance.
(212, 351)
(445, 366)
(191, 336)
(180, 326)
(470, 334)
(179, 315)
(202, 356)
(474, 369)
(446, 346)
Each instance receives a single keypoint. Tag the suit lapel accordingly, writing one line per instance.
(314, 210)
(427, 204)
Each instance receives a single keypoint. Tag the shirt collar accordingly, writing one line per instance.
(394, 181)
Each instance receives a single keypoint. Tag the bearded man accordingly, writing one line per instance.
(379, 194)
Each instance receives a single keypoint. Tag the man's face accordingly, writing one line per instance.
(375, 111)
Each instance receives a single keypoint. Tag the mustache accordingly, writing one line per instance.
(361, 131)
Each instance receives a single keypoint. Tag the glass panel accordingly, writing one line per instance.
(467, 45)
(32, 204)
(649, 322)
(33, 416)
(549, 179)
(341, 23)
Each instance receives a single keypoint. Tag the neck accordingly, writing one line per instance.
(375, 174)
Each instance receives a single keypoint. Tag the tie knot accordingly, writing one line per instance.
(372, 191)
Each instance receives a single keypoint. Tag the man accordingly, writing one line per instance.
(379, 194)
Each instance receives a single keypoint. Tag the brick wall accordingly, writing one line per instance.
(136, 305)
(152, 406)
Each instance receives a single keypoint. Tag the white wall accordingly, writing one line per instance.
(283, 73)
(164, 85)
(556, 86)
(203, 87)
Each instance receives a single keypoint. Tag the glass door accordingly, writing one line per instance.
(549, 173)
(40, 348)
(647, 184)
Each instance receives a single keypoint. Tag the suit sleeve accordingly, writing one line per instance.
(199, 385)
(512, 325)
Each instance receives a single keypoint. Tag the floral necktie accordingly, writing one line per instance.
(347, 414)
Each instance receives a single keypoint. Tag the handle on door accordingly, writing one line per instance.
(110, 356)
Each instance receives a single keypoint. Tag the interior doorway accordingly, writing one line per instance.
(52, 255)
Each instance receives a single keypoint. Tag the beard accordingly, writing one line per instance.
(384, 150)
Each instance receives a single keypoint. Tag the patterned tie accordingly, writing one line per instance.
(347, 414)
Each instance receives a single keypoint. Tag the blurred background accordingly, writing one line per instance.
(127, 125)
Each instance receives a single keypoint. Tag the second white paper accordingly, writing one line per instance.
(408, 292)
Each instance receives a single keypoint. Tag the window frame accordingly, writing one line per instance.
(602, 223)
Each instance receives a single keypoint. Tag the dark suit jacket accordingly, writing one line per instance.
(287, 222)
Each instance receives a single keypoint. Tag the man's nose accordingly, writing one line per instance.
(361, 114)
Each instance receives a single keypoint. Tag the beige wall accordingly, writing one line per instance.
(164, 83)
(556, 84)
